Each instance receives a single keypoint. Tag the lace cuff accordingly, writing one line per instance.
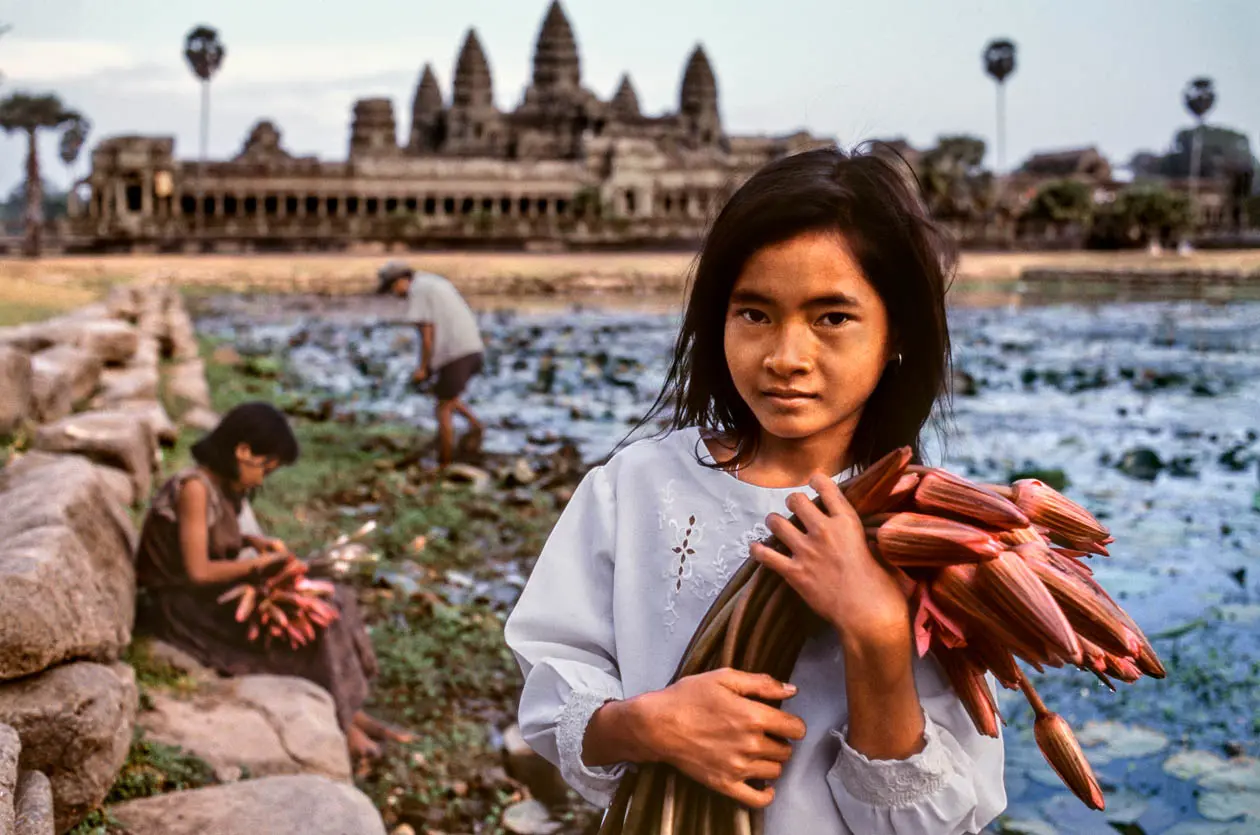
(894, 783)
(595, 784)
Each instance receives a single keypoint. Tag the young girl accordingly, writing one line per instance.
(814, 341)
(189, 553)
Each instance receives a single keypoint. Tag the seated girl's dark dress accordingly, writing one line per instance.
(188, 616)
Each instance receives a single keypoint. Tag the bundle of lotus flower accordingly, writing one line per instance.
(992, 573)
(288, 606)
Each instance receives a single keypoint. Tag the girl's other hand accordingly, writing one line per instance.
(834, 571)
(269, 545)
(713, 728)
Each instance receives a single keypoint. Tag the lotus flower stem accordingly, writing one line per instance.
(1033, 697)
(737, 621)
(667, 806)
(770, 615)
(637, 813)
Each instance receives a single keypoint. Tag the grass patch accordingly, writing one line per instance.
(152, 768)
(154, 673)
(31, 300)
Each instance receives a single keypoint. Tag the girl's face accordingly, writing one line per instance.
(807, 337)
(252, 469)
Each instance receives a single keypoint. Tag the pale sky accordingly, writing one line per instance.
(1103, 72)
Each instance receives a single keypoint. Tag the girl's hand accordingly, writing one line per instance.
(266, 545)
(833, 570)
(711, 727)
(270, 564)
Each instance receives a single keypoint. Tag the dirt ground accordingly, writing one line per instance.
(54, 283)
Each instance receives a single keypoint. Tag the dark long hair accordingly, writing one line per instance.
(871, 199)
(260, 426)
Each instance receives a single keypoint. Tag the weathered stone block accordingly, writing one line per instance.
(110, 339)
(186, 385)
(148, 354)
(15, 388)
(115, 439)
(119, 385)
(154, 415)
(32, 337)
(307, 804)
(269, 725)
(75, 722)
(62, 376)
(201, 419)
(118, 484)
(34, 806)
(123, 302)
(181, 334)
(67, 580)
(10, 752)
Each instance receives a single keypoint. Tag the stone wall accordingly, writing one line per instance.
(87, 393)
(82, 390)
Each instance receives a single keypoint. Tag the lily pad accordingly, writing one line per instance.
(1226, 806)
(1206, 828)
(1127, 582)
(1191, 765)
(1107, 741)
(1026, 826)
(1068, 814)
(1125, 806)
(1239, 612)
(1240, 774)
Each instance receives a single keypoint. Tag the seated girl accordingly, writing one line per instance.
(190, 552)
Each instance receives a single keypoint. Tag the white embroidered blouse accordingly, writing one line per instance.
(644, 546)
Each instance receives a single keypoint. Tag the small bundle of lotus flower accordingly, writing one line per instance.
(288, 606)
(992, 573)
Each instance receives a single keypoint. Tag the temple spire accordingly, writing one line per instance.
(625, 102)
(556, 61)
(473, 86)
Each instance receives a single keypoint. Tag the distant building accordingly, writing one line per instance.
(564, 166)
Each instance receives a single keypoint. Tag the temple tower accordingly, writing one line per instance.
(557, 67)
(428, 117)
(373, 132)
(625, 102)
(471, 124)
(698, 100)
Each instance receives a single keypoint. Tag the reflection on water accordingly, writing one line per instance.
(1174, 384)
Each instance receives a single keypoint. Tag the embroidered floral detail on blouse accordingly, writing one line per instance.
(667, 494)
(682, 568)
(730, 511)
(758, 532)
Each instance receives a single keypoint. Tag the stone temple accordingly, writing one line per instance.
(564, 168)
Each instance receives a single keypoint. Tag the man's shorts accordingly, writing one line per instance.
(454, 376)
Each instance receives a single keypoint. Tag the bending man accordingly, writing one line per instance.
(450, 347)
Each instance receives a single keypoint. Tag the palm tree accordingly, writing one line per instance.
(30, 114)
(72, 140)
(204, 52)
(999, 62)
(1199, 96)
